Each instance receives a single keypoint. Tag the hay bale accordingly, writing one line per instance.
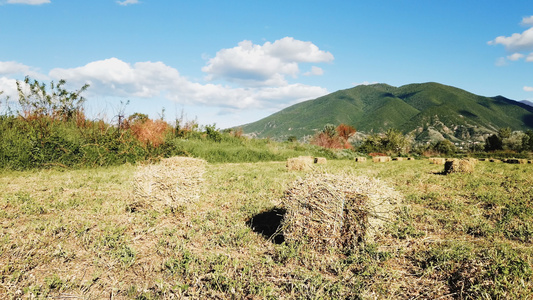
(340, 211)
(495, 160)
(173, 182)
(381, 158)
(516, 161)
(360, 159)
(400, 158)
(320, 160)
(301, 163)
(437, 160)
(410, 158)
(459, 166)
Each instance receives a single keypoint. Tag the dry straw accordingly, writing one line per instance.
(360, 159)
(459, 166)
(516, 161)
(339, 211)
(381, 158)
(301, 163)
(173, 182)
(437, 160)
(304, 163)
(321, 160)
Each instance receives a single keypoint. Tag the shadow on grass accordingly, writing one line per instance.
(268, 224)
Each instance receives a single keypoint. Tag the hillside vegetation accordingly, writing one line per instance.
(428, 111)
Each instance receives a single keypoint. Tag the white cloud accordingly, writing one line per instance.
(527, 21)
(365, 83)
(290, 49)
(515, 56)
(529, 58)
(29, 2)
(9, 87)
(127, 2)
(500, 62)
(315, 71)
(516, 42)
(12, 68)
(528, 88)
(114, 77)
(263, 65)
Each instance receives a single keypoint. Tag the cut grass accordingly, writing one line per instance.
(73, 233)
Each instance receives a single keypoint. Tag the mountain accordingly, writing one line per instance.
(430, 111)
(527, 102)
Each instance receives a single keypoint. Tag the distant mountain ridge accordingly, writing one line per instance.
(430, 111)
(527, 102)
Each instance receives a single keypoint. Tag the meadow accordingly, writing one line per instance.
(74, 234)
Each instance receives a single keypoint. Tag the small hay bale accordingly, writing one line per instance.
(495, 160)
(173, 182)
(437, 160)
(530, 161)
(459, 166)
(516, 161)
(360, 159)
(320, 160)
(400, 158)
(340, 211)
(381, 158)
(410, 158)
(301, 163)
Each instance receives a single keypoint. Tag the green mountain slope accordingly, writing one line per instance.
(428, 110)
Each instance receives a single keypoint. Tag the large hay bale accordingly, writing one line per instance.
(325, 210)
(381, 158)
(173, 182)
(301, 163)
(360, 159)
(516, 161)
(459, 166)
(437, 160)
(321, 160)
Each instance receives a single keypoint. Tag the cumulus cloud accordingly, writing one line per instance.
(528, 88)
(29, 2)
(515, 56)
(127, 2)
(517, 41)
(9, 88)
(114, 77)
(365, 83)
(315, 71)
(10, 68)
(527, 21)
(254, 65)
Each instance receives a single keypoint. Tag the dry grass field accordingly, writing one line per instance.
(81, 234)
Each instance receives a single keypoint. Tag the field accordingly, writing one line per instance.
(78, 234)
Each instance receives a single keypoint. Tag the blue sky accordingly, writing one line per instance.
(233, 62)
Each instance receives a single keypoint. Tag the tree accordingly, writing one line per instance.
(444, 147)
(493, 142)
(391, 142)
(527, 141)
(329, 138)
(345, 131)
(36, 100)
